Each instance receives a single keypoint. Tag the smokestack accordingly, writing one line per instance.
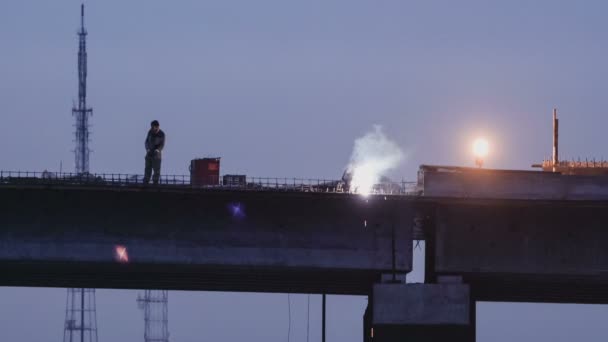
(555, 139)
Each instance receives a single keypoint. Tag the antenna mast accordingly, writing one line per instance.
(80, 313)
(154, 303)
(81, 112)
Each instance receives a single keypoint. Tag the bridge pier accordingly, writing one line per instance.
(420, 313)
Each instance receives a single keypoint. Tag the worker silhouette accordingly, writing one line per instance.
(155, 142)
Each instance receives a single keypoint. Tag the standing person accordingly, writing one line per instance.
(155, 142)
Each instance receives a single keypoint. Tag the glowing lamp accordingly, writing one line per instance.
(481, 149)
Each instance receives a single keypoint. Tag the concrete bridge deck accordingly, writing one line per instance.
(506, 249)
(187, 239)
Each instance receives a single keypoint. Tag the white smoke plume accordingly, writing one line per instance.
(373, 156)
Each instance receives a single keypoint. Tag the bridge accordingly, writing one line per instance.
(490, 236)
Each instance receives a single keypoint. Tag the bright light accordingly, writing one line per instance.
(121, 254)
(374, 154)
(364, 179)
(481, 148)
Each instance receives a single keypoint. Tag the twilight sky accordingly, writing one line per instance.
(283, 88)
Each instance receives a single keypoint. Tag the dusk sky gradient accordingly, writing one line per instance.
(282, 89)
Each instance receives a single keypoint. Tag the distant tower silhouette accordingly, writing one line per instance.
(81, 112)
(154, 303)
(80, 315)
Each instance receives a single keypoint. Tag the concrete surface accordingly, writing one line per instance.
(507, 184)
(273, 240)
(522, 239)
(420, 304)
(507, 250)
(419, 312)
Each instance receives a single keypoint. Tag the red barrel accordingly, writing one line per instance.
(205, 171)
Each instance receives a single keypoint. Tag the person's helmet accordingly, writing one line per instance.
(154, 123)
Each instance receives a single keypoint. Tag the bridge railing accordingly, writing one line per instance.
(248, 183)
(118, 179)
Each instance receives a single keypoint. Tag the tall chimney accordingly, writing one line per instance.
(555, 139)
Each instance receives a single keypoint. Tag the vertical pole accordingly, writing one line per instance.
(308, 318)
(555, 140)
(72, 321)
(429, 228)
(394, 261)
(323, 321)
(82, 315)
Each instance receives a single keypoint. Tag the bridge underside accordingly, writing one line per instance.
(542, 289)
(186, 277)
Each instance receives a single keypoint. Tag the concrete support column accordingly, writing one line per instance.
(420, 313)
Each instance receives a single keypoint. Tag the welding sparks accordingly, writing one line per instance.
(121, 254)
(373, 156)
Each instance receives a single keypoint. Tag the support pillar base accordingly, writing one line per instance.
(419, 312)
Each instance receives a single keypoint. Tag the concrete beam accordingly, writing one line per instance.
(244, 241)
(457, 182)
(522, 239)
(548, 251)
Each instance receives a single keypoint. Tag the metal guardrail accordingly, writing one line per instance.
(252, 183)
